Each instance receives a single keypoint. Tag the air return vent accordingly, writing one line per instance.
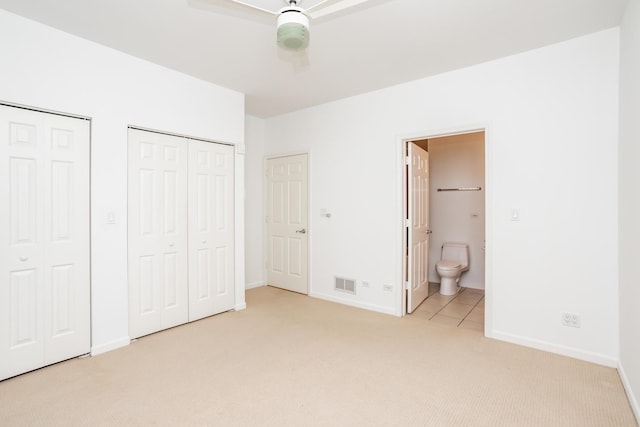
(345, 285)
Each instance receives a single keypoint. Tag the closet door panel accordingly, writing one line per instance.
(67, 291)
(22, 150)
(210, 229)
(157, 232)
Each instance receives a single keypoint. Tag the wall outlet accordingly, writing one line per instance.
(571, 319)
(365, 284)
(387, 288)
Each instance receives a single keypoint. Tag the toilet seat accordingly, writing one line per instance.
(448, 265)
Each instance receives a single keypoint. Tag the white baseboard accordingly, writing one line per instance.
(472, 286)
(633, 401)
(352, 303)
(254, 285)
(464, 285)
(111, 345)
(587, 356)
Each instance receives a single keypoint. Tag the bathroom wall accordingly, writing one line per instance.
(457, 216)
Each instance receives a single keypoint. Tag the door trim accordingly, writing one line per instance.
(401, 304)
(43, 110)
(179, 135)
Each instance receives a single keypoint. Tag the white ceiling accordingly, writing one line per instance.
(368, 47)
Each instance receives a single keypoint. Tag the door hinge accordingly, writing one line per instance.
(406, 286)
(407, 160)
(407, 223)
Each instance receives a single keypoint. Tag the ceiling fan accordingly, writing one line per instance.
(292, 20)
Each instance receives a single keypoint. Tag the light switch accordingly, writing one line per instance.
(515, 215)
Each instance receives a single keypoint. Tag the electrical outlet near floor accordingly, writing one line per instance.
(387, 288)
(365, 284)
(571, 319)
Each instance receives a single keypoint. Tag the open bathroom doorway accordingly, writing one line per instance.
(454, 202)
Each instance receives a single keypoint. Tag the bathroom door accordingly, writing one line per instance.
(418, 226)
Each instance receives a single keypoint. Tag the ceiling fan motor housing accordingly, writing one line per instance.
(293, 29)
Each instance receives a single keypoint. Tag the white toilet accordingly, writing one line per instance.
(454, 260)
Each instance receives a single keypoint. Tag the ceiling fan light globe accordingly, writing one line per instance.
(293, 30)
(293, 37)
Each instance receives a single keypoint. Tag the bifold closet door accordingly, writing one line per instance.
(211, 223)
(44, 239)
(180, 230)
(157, 232)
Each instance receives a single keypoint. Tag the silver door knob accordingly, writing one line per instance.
(303, 231)
(428, 231)
(24, 258)
(170, 245)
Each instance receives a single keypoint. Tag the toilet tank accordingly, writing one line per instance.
(456, 252)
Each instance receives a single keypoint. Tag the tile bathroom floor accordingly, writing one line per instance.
(463, 310)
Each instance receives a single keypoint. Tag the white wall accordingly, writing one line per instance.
(457, 216)
(254, 203)
(49, 69)
(629, 211)
(552, 153)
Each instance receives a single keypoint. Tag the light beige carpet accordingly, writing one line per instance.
(291, 360)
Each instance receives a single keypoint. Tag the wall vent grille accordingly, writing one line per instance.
(345, 285)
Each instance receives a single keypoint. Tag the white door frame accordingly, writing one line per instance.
(401, 303)
(265, 246)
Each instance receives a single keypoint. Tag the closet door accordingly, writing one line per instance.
(157, 221)
(211, 253)
(44, 239)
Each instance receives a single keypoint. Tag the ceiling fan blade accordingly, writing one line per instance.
(327, 7)
(233, 6)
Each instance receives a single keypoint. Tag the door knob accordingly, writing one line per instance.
(428, 231)
(24, 258)
(303, 231)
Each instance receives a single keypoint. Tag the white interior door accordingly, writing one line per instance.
(418, 235)
(287, 223)
(44, 239)
(157, 234)
(211, 227)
